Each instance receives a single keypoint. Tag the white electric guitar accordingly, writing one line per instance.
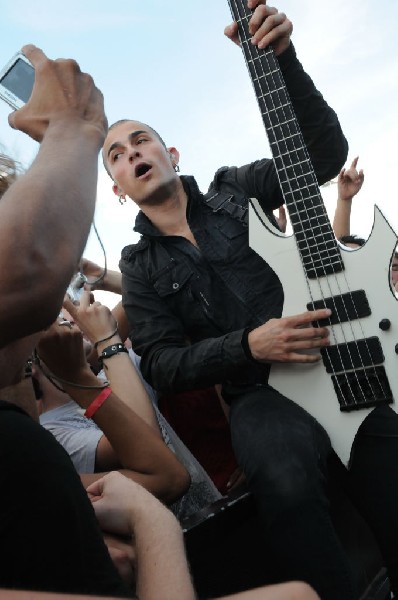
(359, 370)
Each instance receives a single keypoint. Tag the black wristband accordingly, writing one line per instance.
(109, 351)
(245, 344)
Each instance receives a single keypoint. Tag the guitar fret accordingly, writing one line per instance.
(309, 250)
(306, 222)
(319, 262)
(298, 186)
(306, 204)
(288, 154)
(275, 71)
(290, 168)
(268, 94)
(324, 230)
(287, 137)
(323, 233)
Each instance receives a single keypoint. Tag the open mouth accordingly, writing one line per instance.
(142, 169)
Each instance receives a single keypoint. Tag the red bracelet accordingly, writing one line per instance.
(97, 402)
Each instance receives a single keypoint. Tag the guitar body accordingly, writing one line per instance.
(367, 268)
(358, 370)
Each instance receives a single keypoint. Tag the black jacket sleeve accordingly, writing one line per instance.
(321, 130)
(168, 361)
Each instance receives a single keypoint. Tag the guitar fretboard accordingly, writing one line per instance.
(316, 242)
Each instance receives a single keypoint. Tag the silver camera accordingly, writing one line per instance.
(76, 287)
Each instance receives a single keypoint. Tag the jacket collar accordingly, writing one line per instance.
(145, 227)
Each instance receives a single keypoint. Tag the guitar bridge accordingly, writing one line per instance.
(362, 389)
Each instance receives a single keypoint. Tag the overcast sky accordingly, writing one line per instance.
(169, 64)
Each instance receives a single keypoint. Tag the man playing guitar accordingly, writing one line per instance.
(204, 309)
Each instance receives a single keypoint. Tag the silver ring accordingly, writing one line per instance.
(66, 322)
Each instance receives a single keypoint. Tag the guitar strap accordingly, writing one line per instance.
(225, 202)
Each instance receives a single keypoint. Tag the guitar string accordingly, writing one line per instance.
(371, 388)
(304, 175)
(271, 69)
(270, 58)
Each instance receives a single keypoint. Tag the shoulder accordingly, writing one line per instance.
(132, 249)
(238, 175)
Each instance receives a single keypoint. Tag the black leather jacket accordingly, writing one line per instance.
(189, 307)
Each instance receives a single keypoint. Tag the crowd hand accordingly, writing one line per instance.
(94, 320)
(61, 349)
(93, 272)
(267, 26)
(350, 181)
(119, 502)
(281, 219)
(111, 281)
(123, 557)
(61, 92)
(284, 340)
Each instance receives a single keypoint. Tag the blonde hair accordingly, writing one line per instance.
(8, 172)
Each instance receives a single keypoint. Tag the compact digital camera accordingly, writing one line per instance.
(16, 81)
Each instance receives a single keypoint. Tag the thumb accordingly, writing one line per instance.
(96, 489)
(231, 31)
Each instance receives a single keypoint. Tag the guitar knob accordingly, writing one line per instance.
(385, 324)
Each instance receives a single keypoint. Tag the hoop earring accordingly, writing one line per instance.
(122, 200)
(176, 168)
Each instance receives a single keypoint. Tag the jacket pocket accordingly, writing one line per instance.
(171, 279)
(232, 229)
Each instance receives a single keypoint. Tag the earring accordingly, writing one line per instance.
(122, 200)
(176, 168)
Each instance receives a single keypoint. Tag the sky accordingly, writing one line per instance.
(169, 65)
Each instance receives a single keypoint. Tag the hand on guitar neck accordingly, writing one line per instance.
(287, 339)
(267, 26)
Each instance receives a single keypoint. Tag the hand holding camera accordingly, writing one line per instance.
(61, 94)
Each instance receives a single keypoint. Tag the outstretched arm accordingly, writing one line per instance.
(139, 450)
(54, 200)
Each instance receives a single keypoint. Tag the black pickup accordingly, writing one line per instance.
(346, 307)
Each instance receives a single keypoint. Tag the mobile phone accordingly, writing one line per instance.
(16, 81)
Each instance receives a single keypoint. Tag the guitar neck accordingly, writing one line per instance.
(316, 242)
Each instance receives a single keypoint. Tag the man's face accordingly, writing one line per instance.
(140, 165)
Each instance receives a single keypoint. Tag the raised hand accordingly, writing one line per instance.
(61, 93)
(94, 320)
(350, 181)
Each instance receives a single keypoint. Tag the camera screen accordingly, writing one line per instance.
(19, 80)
